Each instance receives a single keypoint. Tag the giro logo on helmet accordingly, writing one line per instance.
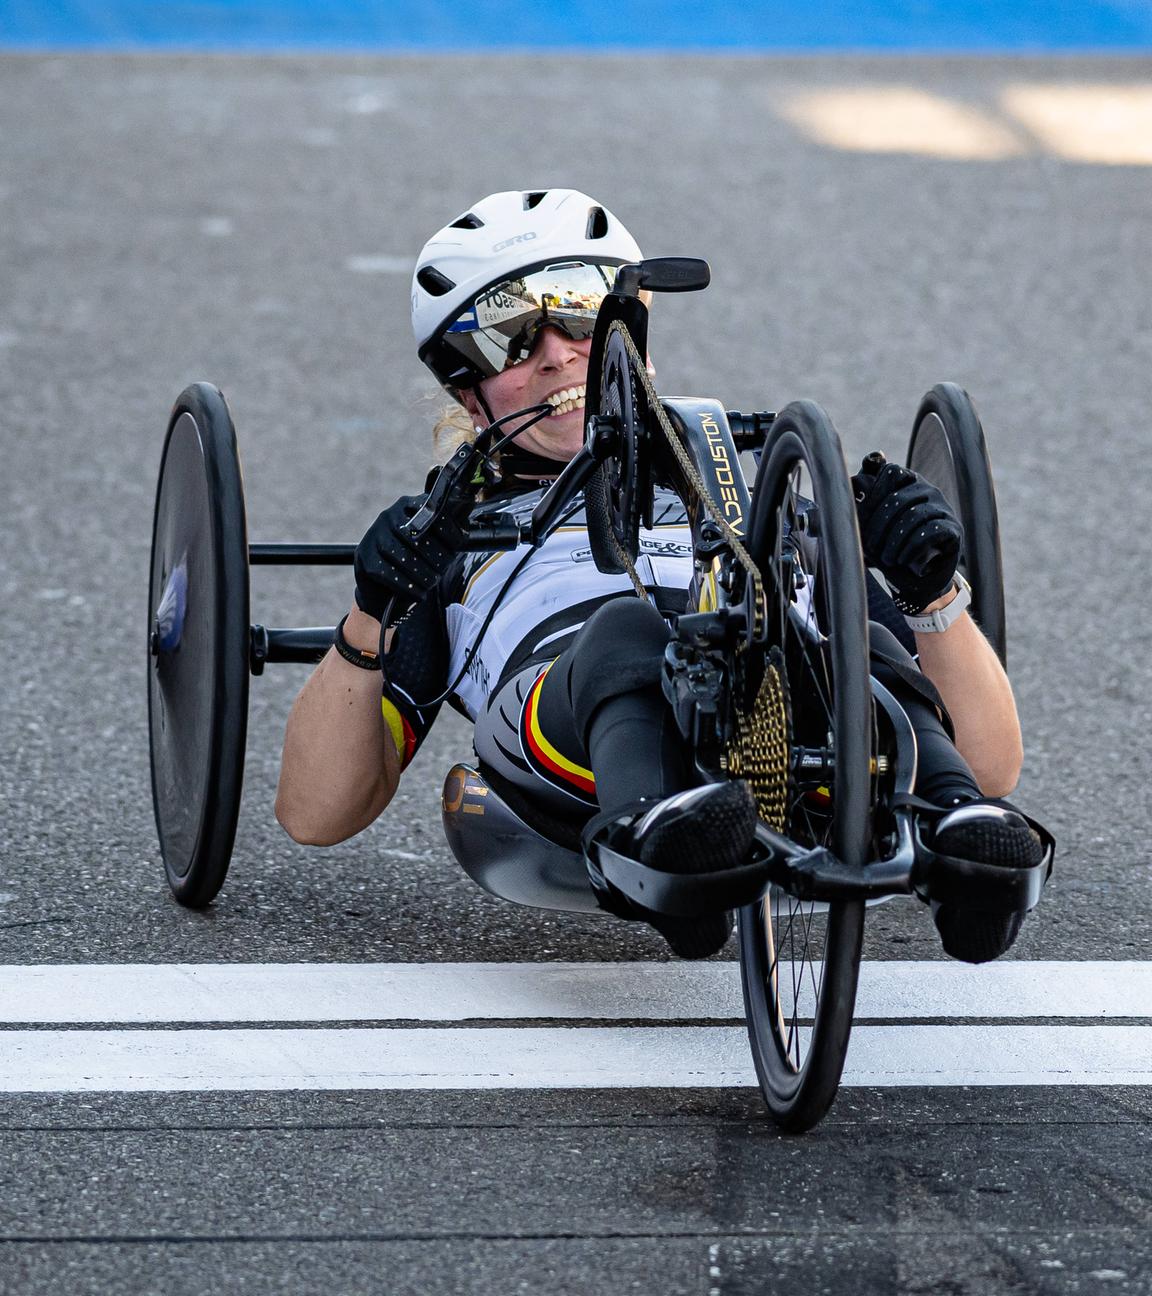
(526, 237)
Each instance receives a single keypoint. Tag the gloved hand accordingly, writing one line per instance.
(391, 567)
(908, 531)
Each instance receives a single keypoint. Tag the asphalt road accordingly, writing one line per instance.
(252, 222)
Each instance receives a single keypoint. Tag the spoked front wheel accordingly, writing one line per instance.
(800, 960)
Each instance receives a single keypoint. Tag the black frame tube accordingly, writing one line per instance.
(292, 555)
(305, 645)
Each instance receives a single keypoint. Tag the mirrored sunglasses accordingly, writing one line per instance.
(500, 327)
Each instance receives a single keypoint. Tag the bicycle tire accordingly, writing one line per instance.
(199, 646)
(948, 447)
(601, 541)
(613, 495)
(826, 682)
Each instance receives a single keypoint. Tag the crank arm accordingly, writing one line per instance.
(816, 874)
(806, 874)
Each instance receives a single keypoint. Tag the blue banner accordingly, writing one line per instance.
(962, 26)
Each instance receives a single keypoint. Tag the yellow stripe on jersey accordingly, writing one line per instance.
(479, 572)
(553, 756)
(395, 726)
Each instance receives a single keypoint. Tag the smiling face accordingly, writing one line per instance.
(555, 373)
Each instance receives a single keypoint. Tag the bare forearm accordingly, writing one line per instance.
(976, 691)
(340, 767)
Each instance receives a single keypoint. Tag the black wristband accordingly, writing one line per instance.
(909, 607)
(916, 606)
(365, 660)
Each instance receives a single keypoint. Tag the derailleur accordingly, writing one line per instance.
(696, 680)
(745, 603)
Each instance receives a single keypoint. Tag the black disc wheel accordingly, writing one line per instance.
(615, 492)
(198, 634)
(800, 960)
(948, 448)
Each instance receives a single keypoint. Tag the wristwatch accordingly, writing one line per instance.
(939, 621)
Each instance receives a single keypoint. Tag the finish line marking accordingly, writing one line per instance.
(551, 1057)
(107, 993)
(610, 1057)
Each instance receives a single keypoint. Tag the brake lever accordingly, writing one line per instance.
(452, 495)
(455, 487)
(504, 531)
(452, 492)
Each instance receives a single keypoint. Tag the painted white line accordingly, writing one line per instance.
(1005, 989)
(1000, 1055)
(1106, 123)
(900, 119)
(369, 103)
(552, 1058)
(251, 992)
(307, 992)
(382, 264)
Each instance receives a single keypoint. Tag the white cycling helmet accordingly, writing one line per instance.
(487, 283)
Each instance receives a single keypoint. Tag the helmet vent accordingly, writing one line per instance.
(534, 199)
(433, 282)
(597, 223)
(468, 221)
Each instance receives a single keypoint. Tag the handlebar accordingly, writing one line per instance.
(454, 491)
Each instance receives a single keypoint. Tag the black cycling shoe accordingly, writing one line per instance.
(989, 834)
(700, 831)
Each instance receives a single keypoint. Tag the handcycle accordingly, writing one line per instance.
(767, 672)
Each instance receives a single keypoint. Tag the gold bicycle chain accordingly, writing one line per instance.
(760, 750)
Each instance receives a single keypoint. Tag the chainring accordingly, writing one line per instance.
(625, 472)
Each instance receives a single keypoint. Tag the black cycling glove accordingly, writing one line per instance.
(908, 531)
(393, 568)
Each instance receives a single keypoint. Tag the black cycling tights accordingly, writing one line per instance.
(602, 698)
(640, 722)
(601, 703)
(942, 774)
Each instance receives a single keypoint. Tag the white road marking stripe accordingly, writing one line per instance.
(552, 1058)
(381, 264)
(299, 992)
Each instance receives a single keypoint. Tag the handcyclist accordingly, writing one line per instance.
(557, 664)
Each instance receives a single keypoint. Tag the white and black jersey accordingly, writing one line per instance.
(541, 598)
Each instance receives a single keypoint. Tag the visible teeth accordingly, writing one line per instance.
(570, 396)
(567, 406)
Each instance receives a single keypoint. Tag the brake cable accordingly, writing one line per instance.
(470, 656)
(535, 414)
